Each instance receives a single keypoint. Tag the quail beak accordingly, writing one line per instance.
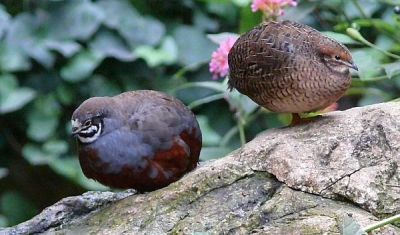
(75, 131)
(76, 128)
(354, 66)
(351, 65)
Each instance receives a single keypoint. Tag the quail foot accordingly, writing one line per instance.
(289, 67)
(143, 140)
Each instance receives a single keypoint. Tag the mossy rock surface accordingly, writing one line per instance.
(298, 180)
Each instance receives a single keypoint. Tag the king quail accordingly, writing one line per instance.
(143, 140)
(288, 67)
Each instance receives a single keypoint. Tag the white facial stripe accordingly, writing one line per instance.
(97, 132)
(90, 129)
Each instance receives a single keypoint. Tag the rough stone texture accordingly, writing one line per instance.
(66, 210)
(297, 180)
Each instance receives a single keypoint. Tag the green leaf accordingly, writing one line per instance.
(385, 42)
(24, 34)
(220, 37)
(69, 167)
(3, 172)
(206, 100)
(369, 62)
(210, 136)
(342, 38)
(208, 153)
(368, 99)
(242, 3)
(43, 118)
(101, 86)
(204, 22)
(3, 221)
(116, 12)
(300, 12)
(136, 30)
(13, 59)
(41, 126)
(16, 100)
(66, 48)
(65, 94)
(8, 83)
(146, 31)
(38, 51)
(166, 54)
(108, 44)
(197, 49)
(249, 19)
(56, 147)
(74, 19)
(238, 101)
(35, 155)
(16, 208)
(223, 8)
(392, 69)
(217, 86)
(368, 7)
(354, 33)
(4, 20)
(81, 66)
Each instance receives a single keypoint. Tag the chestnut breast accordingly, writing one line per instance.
(147, 141)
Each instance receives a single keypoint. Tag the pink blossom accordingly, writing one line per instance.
(219, 60)
(272, 7)
(330, 108)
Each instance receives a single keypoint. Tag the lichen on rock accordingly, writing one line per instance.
(293, 180)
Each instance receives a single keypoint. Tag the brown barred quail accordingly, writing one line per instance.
(288, 67)
(142, 139)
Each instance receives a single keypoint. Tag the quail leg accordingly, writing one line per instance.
(297, 120)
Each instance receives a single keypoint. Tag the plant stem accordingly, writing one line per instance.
(357, 35)
(249, 118)
(382, 223)
(241, 131)
(360, 9)
(364, 15)
(363, 40)
(206, 100)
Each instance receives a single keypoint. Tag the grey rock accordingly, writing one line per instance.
(66, 210)
(300, 180)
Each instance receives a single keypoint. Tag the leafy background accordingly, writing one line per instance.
(55, 54)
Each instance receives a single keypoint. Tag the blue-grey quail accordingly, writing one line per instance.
(143, 140)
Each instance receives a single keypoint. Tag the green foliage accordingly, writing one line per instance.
(13, 97)
(15, 208)
(55, 54)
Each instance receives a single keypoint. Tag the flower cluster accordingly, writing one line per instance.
(219, 60)
(272, 7)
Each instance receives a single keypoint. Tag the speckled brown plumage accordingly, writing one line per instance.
(288, 67)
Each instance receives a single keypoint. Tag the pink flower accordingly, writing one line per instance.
(330, 108)
(219, 60)
(272, 7)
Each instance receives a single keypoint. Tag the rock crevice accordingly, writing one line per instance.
(298, 180)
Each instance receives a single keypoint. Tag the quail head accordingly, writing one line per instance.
(143, 140)
(288, 67)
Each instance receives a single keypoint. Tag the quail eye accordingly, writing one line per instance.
(337, 57)
(88, 123)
